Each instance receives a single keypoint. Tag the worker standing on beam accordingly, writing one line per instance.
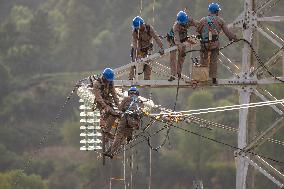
(105, 96)
(131, 108)
(209, 30)
(141, 46)
(177, 36)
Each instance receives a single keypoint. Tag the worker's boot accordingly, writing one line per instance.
(171, 78)
(108, 155)
(214, 81)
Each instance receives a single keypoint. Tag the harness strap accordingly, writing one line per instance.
(212, 26)
(148, 31)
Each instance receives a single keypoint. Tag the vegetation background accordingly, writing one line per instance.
(47, 45)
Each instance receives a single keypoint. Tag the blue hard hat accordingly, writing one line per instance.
(214, 7)
(182, 17)
(108, 74)
(133, 90)
(137, 22)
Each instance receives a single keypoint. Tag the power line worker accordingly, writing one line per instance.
(105, 96)
(130, 120)
(141, 46)
(209, 30)
(177, 35)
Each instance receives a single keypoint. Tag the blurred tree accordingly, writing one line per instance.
(41, 37)
(64, 181)
(8, 36)
(5, 78)
(200, 99)
(70, 132)
(77, 50)
(7, 158)
(18, 180)
(21, 16)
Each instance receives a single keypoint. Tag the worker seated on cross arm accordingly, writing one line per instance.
(105, 96)
(209, 29)
(177, 36)
(142, 35)
(131, 108)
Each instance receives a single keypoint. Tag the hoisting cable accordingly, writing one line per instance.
(167, 135)
(275, 54)
(229, 145)
(131, 145)
(260, 61)
(149, 142)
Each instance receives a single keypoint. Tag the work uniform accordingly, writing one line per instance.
(141, 47)
(105, 95)
(177, 36)
(209, 30)
(130, 120)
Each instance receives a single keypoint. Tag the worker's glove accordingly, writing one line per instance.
(161, 51)
(114, 112)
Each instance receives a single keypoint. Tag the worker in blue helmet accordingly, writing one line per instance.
(209, 30)
(131, 108)
(142, 35)
(177, 36)
(105, 99)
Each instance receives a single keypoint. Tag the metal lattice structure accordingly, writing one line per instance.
(248, 81)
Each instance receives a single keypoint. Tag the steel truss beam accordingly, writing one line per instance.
(266, 6)
(150, 58)
(263, 98)
(263, 171)
(269, 167)
(186, 83)
(260, 30)
(260, 139)
(271, 19)
(270, 61)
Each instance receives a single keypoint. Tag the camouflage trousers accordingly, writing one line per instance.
(107, 120)
(176, 64)
(209, 58)
(125, 130)
(146, 68)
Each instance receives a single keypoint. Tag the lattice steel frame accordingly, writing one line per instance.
(246, 84)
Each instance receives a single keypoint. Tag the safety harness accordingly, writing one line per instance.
(145, 50)
(210, 34)
(182, 34)
(150, 46)
(104, 91)
(210, 30)
(133, 113)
